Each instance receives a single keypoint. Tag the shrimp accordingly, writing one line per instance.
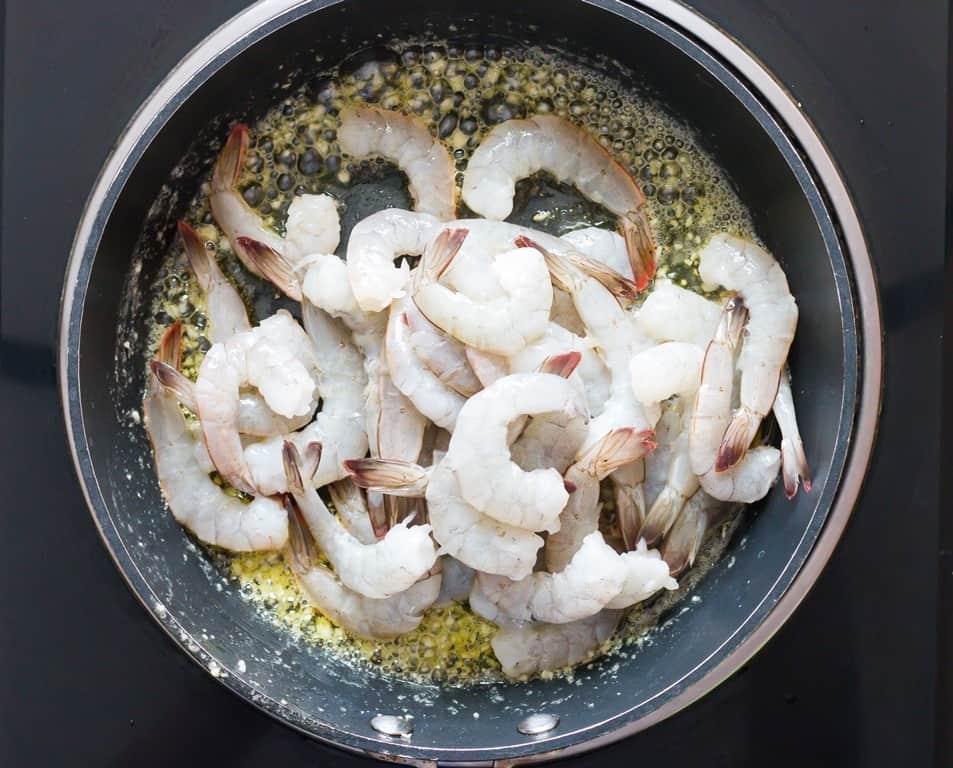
(581, 515)
(611, 329)
(700, 513)
(646, 573)
(604, 245)
(375, 244)
(340, 425)
(488, 478)
(352, 510)
(740, 265)
(195, 501)
(405, 140)
(373, 619)
(313, 225)
(462, 531)
(379, 570)
(659, 372)
(526, 649)
(751, 479)
(519, 148)
(503, 324)
(793, 461)
(276, 357)
(442, 354)
(457, 581)
(671, 313)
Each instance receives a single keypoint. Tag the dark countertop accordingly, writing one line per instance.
(849, 681)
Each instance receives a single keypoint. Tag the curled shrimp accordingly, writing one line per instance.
(671, 313)
(526, 649)
(195, 501)
(313, 225)
(463, 532)
(340, 424)
(503, 324)
(374, 619)
(405, 140)
(516, 149)
(742, 266)
(443, 355)
(373, 247)
(751, 479)
(379, 570)
(488, 478)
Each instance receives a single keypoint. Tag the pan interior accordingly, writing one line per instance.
(304, 684)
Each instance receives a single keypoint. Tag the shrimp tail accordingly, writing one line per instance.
(619, 447)
(560, 270)
(624, 290)
(640, 248)
(738, 436)
(562, 364)
(300, 542)
(684, 540)
(439, 255)
(794, 468)
(231, 160)
(197, 255)
(291, 461)
(175, 382)
(486, 366)
(662, 516)
(312, 459)
(170, 346)
(272, 265)
(630, 512)
(390, 476)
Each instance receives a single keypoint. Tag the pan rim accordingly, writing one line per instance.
(258, 21)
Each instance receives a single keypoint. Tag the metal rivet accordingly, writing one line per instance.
(393, 725)
(537, 723)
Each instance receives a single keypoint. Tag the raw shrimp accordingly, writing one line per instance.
(646, 573)
(442, 354)
(406, 141)
(195, 501)
(524, 650)
(473, 538)
(486, 366)
(379, 570)
(516, 149)
(503, 324)
(604, 245)
(793, 461)
(340, 425)
(457, 581)
(361, 616)
(740, 265)
(312, 226)
(581, 514)
(374, 245)
(278, 358)
(432, 397)
(751, 479)
(671, 313)
(700, 513)
(659, 372)
(352, 510)
(629, 497)
(479, 453)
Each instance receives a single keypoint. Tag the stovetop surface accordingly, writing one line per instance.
(88, 679)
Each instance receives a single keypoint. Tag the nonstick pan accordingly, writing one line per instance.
(801, 210)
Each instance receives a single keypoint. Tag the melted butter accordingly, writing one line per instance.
(461, 93)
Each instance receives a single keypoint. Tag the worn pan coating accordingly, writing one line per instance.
(801, 209)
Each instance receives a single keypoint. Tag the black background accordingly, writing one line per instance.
(87, 679)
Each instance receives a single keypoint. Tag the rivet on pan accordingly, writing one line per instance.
(537, 723)
(393, 725)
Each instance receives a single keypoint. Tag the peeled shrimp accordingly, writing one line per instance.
(524, 650)
(503, 324)
(352, 510)
(742, 266)
(700, 513)
(374, 245)
(312, 226)
(406, 141)
(442, 354)
(473, 538)
(581, 515)
(375, 619)
(340, 425)
(601, 244)
(377, 570)
(671, 313)
(793, 461)
(196, 502)
(751, 479)
(519, 148)
(659, 372)
(487, 476)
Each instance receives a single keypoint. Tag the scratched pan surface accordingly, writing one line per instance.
(799, 210)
